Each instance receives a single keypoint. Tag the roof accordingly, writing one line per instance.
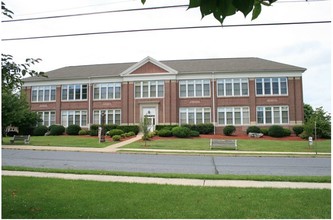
(220, 65)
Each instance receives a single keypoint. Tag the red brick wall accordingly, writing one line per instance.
(149, 68)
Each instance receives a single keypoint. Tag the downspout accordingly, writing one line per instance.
(89, 103)
(213, 94)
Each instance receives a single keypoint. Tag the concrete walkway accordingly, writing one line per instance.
(172, 181)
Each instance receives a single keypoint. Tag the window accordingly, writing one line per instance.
(103, 91)
(232, 87)
(43, 93)
(47, 117)
(233, 115)
(77, 117)
(271, 86)
(194, 88)
(112, 116)
(194, 115)
(272, 114)
(149, 89)
(74, 92)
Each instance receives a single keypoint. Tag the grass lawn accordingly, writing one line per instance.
(64, 140)
(27, 197)
(243, 145)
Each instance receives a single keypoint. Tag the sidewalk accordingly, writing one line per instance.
(116, 148)
(173, 181)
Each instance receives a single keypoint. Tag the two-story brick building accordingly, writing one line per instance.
(228, 91)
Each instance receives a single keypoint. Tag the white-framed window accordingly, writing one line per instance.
(233, 87)
(74, 92)
(77, 117)
(43, 93)
(194, 88)
(112, 116)
(149, 89)
(233, 115)
(48, 118)
(272, 86)
(272, 115)
(107, 91)
(194, 115)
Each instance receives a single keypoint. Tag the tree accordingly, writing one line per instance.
(16, 112)
(319, 124)
(308, 112)
(224, 8)
(145, 130)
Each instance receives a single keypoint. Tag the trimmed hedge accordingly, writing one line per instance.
(181, 132)
(229, 130)
(298, 129)
(40, 130)
(116, 137)
(57, 130)
(165, 132)
(109, 127)
(207, 128)
(167, 127)
(253, 129)
(278, 131)
(194, 133)
(116, 132)
(73, 129)
(129, 128)
(83, 132)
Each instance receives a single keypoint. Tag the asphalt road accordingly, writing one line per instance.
(168, 163)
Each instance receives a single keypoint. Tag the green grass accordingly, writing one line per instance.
(315, 179)
(28, 197)
(66, 141)
(243, 145)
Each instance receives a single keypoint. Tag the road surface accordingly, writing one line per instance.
(168, 163)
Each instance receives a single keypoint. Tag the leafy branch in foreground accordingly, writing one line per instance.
(224, 8)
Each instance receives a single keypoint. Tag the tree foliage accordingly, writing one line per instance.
(319, 122)
(224, 8)
(308, 112)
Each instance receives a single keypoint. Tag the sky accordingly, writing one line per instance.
(307, 45)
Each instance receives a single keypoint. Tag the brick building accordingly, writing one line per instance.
(228, 91)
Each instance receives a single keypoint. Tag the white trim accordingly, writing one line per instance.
(145, 61)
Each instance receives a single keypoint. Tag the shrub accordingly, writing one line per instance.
(207, 128)
(276, 131)
(167, 127)
(73, 129)
(57, 130)
(298, 129)
(129, 128)
(116, 137)
(116, 132)
(109, 127)
(131, 133)
(194, 133)
(253, 129)
(229, 130)
(165, 132)
(83, 132)
(264, 131)
(93, 132)
(40, 130)
(287, 132)
(181, 132)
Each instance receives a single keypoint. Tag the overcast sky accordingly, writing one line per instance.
(307, 46)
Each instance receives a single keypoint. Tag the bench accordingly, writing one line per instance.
(256, 135)
(25, 138)
(223, 144)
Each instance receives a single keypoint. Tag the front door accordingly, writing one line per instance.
(150, 113)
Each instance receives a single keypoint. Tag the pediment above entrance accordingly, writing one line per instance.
(148, 66)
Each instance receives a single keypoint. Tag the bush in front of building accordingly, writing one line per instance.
(206, 128)
(116, 137)
(181, 132)
(253, 129)
(278, 131)
(298, 129)
(56, 130)
(114, 132)
(73, 129)
(129, 128)
(229, 130)
(40, 130)
(167, 127)
(165, 132)
(108, 127)
(194, 133)
(83, 132)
